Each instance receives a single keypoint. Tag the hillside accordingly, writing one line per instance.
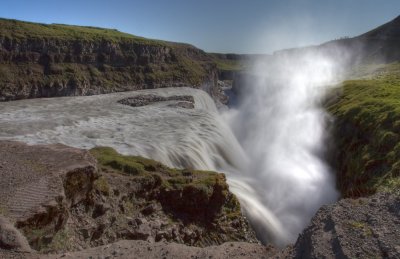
(381, 44)
(46, 60)
(366, 131)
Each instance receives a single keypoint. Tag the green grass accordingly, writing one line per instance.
(357, 224)
(229, 65)
(360, 226)
(60, 242)
(225, 64)
(110, 160)
(367, 130)
(22, 30)
(133, 165)
(102, 186)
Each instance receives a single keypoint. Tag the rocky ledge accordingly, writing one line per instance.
(353, 228)
(62, 202)
(58, 198)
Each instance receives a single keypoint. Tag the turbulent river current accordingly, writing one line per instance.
(269, 146)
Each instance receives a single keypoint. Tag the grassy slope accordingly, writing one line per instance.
(23, 30)
(109, 159)
(229, 62)
(367, 130)
(229, 65)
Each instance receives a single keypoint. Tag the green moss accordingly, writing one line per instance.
(357, 224)
(391, 185)
(60, 242)
(102, 186)
(199, 179)
(360, 226)
(129, 209)
(136, 165)
(149, 172)
(42, 240)
(110, 158)
(367, 130)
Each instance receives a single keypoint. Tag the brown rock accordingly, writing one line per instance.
(11, 238)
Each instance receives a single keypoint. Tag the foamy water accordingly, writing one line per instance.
(175, 136)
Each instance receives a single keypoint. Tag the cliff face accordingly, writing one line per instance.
(38, 60)
(59, 198)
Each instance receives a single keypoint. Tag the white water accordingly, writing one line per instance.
(275, 170)
(281, 126)
(178, 137)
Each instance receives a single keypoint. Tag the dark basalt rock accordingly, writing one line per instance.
(183, 101)
(353, 228)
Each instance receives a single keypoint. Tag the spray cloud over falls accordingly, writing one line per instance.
(280, 124)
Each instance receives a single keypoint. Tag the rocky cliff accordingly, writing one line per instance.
(58, 198)
(62, 202)
(42, 60)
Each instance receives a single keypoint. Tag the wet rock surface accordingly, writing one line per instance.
(182, 101)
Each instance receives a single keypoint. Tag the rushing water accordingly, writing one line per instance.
(178, 137)
(272, 160)
(280, 123)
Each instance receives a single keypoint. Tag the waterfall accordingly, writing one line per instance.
(271, 158)
(281, 126)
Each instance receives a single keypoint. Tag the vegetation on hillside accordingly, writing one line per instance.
(225, 63)
(15, 29)
(367, 129)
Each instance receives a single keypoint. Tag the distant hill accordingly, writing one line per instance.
(387, 31)
(380, 45)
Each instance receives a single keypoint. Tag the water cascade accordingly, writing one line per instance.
(270, 145)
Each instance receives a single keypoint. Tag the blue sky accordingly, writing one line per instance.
(239, 26)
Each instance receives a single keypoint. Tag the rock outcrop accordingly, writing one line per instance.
(40, 184)
(99, 203)
(11, 238)
(183, 101)
(353, 228)
(60, 198)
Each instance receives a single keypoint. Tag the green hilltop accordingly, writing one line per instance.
(26, 30)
